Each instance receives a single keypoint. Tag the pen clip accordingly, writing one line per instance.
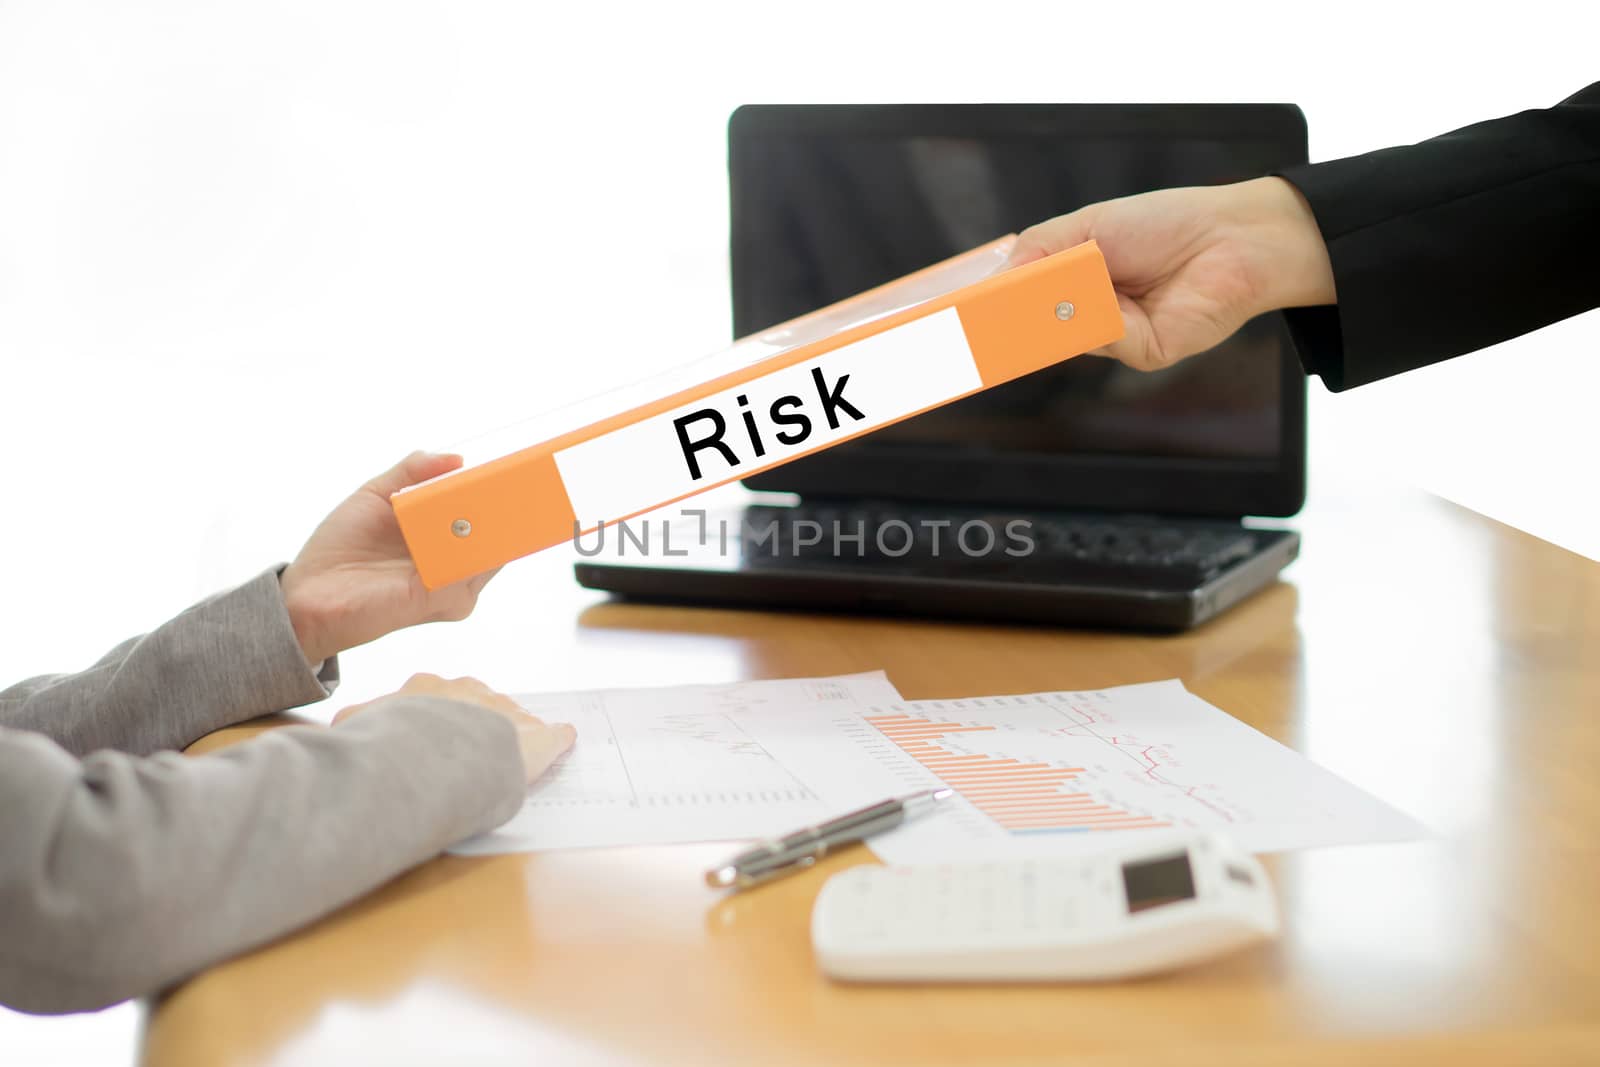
(745, 880)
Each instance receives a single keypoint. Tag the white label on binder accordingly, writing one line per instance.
(773, 418)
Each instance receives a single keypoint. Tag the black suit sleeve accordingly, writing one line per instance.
(1456, 243)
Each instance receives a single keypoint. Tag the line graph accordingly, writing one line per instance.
(1084, 722)
(675, 759)
(673, 764)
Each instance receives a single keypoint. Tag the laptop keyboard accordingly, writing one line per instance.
(1032, 548)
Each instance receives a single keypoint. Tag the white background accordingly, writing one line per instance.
(252, 253)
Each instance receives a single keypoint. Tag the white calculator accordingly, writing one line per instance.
(1140, 908)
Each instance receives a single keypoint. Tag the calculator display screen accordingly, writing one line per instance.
(1154, 882)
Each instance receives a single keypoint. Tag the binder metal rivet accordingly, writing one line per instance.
(461, 527)
(1065, 310)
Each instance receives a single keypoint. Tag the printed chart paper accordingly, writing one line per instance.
(659, 766)
(1049, 772)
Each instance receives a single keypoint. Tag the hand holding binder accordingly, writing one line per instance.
(917, 343)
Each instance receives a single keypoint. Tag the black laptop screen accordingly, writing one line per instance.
(830, 201)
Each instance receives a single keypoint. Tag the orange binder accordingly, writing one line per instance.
(919, 342)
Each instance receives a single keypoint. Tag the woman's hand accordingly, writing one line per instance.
(539, 742)
(354, 581)
(1191, 266)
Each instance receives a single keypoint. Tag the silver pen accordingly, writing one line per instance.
(803, 848)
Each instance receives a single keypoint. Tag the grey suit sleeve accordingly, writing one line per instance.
(121, 874)
(230, 658)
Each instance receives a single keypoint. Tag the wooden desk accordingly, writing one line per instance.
(1447, 663)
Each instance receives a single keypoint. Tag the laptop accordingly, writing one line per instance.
(1086, 494)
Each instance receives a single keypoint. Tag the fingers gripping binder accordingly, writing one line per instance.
(925, 340)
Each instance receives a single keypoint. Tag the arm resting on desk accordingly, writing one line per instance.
(121, 874)
(229, 658)
(1456, 243)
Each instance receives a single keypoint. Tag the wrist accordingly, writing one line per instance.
(1291, 263)
(305, 619)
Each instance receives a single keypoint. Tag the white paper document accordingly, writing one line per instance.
(1049, 772)
(660, 766)
(1034, 774)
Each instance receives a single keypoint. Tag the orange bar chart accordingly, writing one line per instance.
(1022, 797)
